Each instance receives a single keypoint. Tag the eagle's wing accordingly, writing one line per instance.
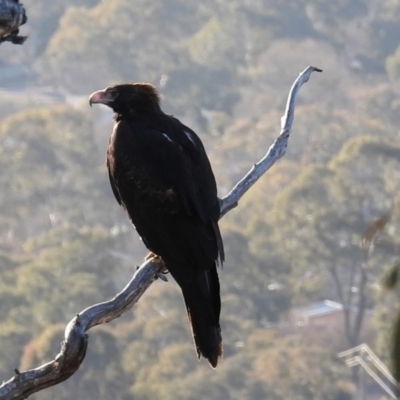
(167, 165)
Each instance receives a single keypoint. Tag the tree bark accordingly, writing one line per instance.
(75, 343)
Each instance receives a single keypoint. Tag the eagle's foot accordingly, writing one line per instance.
(161, 275)
(157, 259)
(150, 256)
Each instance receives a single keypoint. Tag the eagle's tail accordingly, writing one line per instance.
(203, 306)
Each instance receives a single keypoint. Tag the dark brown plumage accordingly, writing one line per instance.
(159, 172)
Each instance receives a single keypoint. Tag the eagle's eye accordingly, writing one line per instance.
(112, 92)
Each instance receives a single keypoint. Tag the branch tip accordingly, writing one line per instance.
(316, 69)
(13, 15)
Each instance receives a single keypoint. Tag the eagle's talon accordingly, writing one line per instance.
(161, 276)
(150, 256)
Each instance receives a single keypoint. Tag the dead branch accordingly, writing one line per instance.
(12, 16)
(75, 343)
(274, 153)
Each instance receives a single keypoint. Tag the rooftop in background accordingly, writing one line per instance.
(319, 308)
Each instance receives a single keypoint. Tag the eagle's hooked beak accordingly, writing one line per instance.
(100, 97)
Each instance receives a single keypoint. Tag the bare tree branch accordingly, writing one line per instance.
(12, 16)
(275, 152)
(75, 343)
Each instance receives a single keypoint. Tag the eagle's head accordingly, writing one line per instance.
(128, 98)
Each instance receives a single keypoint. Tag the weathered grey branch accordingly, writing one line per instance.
(274, 153)
(75, 343)
(12, 16)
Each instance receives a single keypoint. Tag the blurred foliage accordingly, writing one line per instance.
(224, 68)
(389, 317)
